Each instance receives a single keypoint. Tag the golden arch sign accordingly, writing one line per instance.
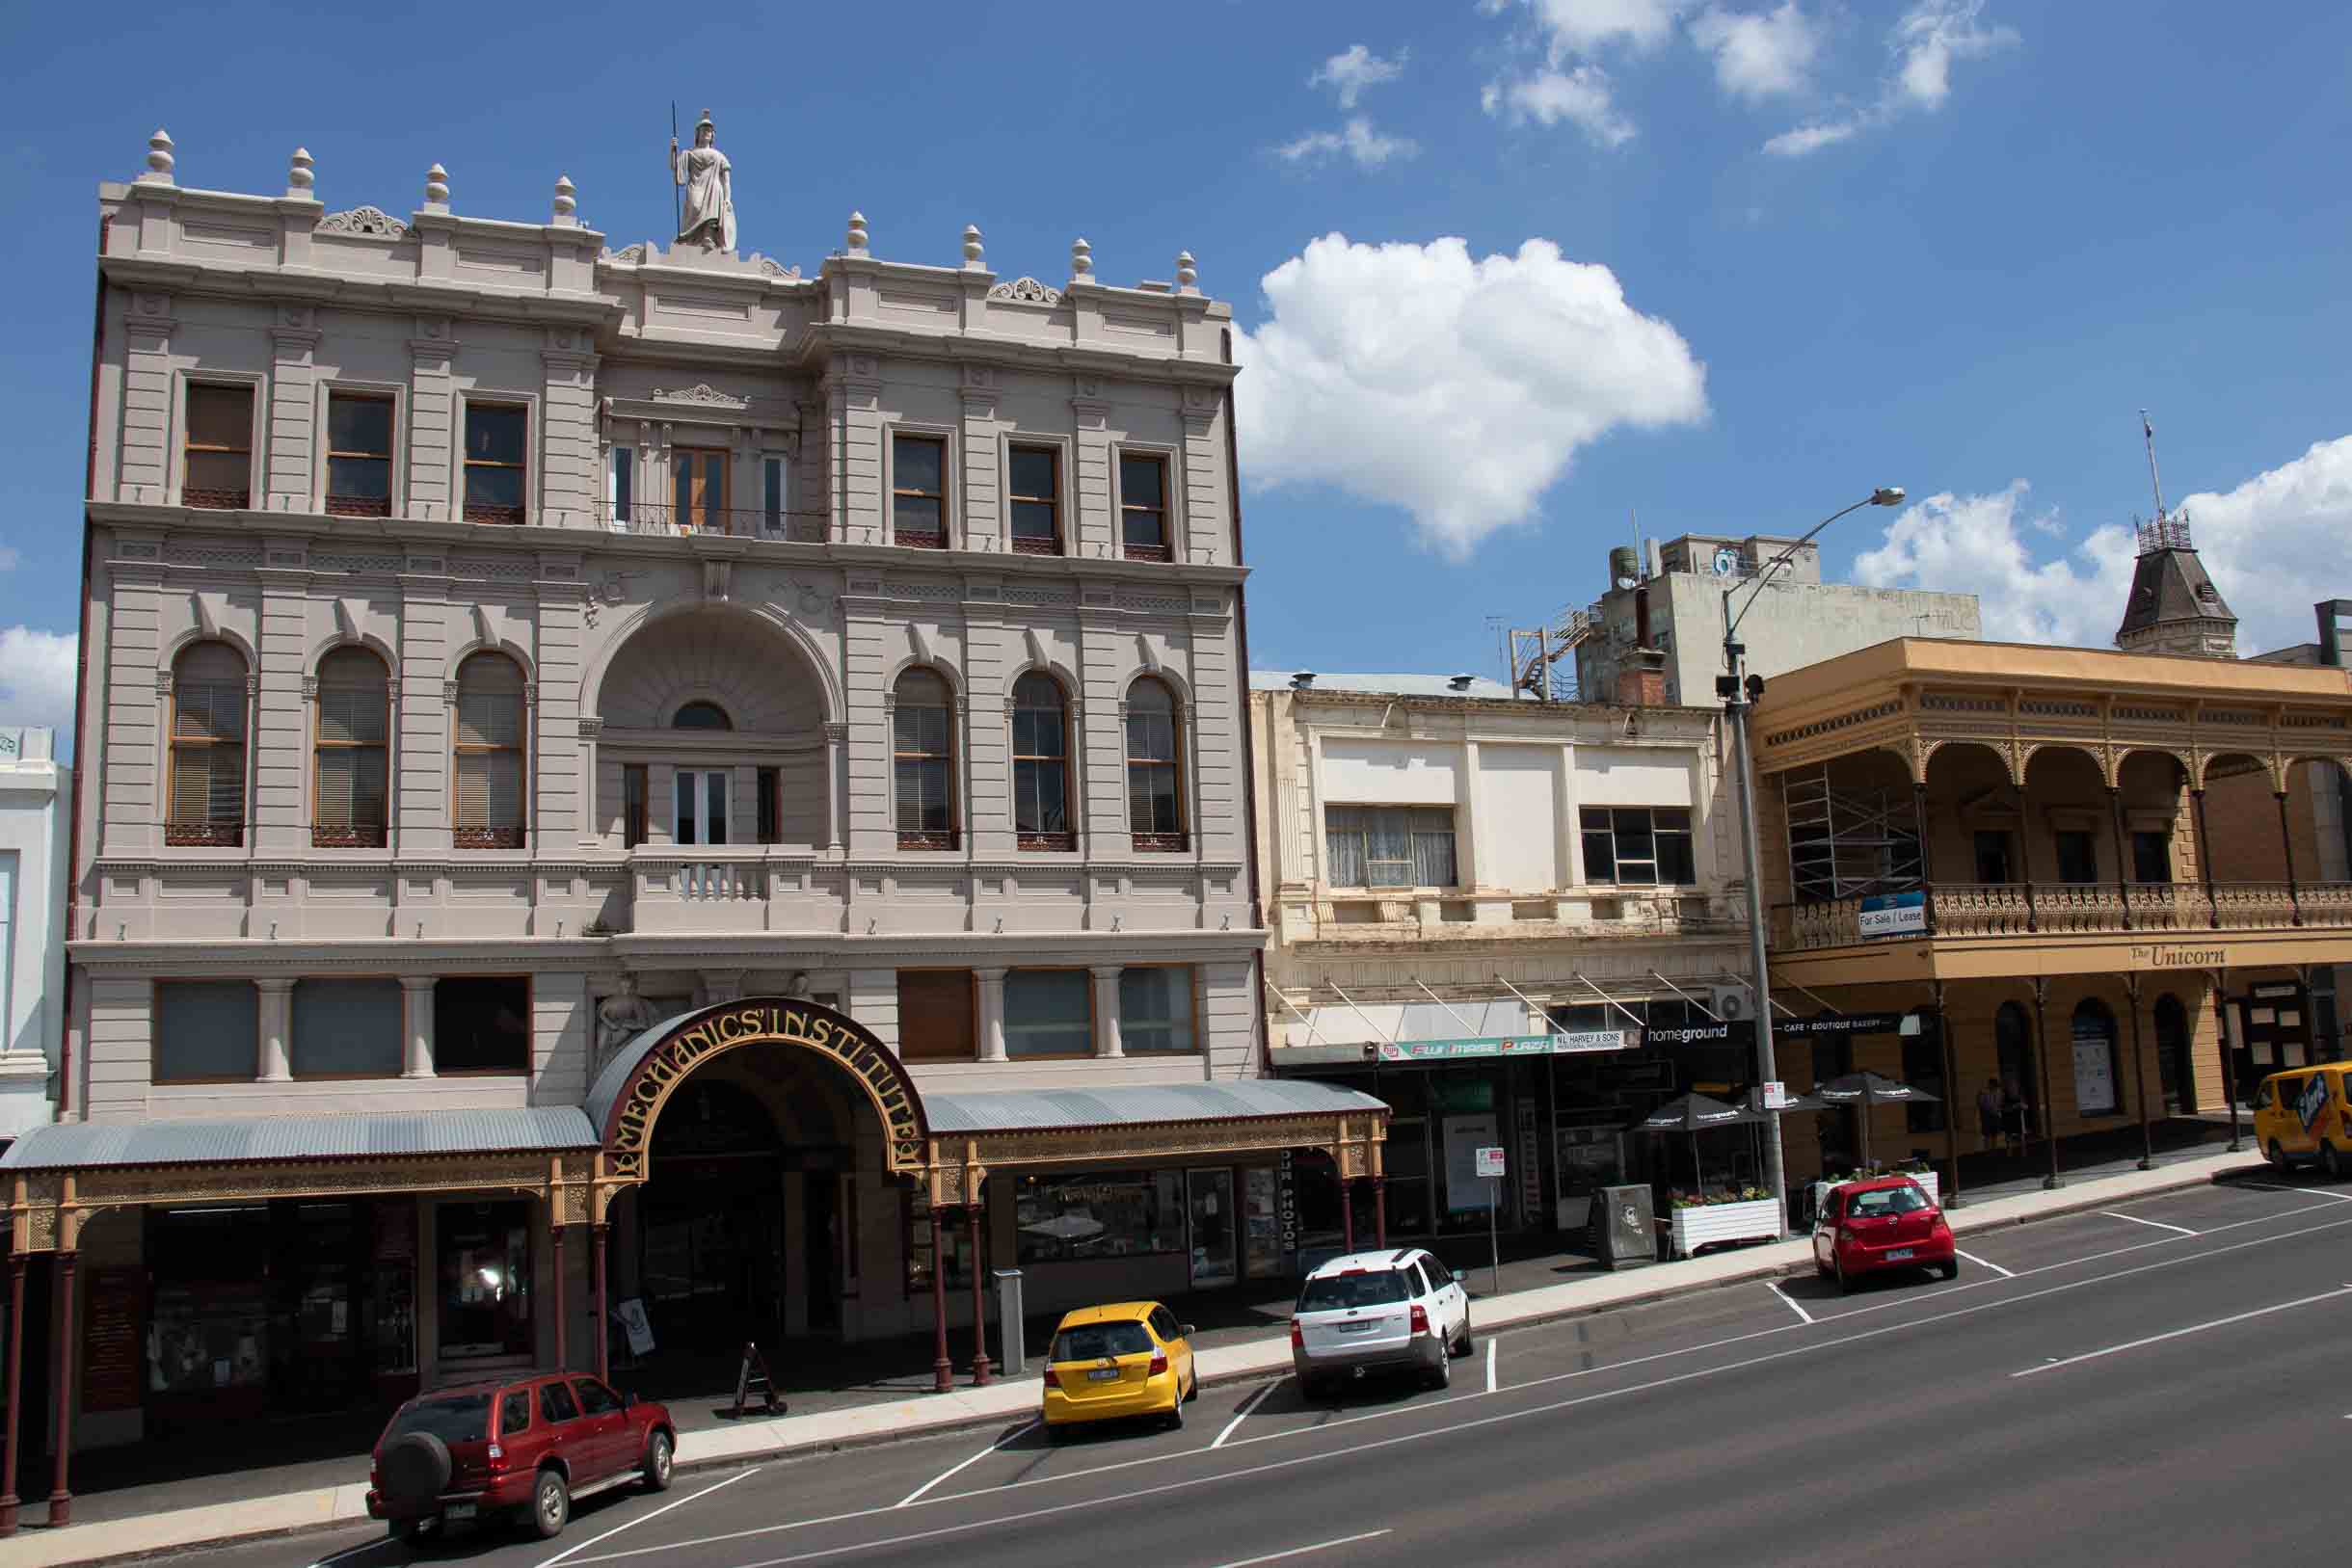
(635, 1084)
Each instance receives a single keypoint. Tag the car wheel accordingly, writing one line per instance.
(1193, 1393)
(1441, 1375)
(1949, 1270)
(2330, 1160)
(407, 1531)
(1056, 1435)
(1845, 1285)
(1175, 1416)
(2275, 1155)
(550, 1505)
(1462, 1345)
(659, 1458)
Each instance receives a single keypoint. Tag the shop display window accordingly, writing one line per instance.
(1099, 1214)
(1262, 1220)
(482, 1277)
(209, 1319)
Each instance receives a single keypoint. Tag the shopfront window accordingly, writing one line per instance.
(1098, 1214)
(208, 1325)
(482, 1258)
(1214, 1259)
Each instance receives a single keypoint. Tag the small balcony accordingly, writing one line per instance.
(2062, 909)
(662, 520)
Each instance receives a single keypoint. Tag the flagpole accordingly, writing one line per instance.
(678, 208)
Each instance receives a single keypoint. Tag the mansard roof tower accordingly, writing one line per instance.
(2174, 607)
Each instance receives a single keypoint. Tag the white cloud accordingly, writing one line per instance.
(1973, 545)
(35, 677)
(2273, 545)
(1356, 68)
(1458, 389)
(1357, 139)
(1925, 42)
(1930, 35)
(1758, 55)
(1581, 96)
(1805, 139)
(1582, 26)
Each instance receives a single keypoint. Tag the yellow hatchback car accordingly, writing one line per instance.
(2305, 1113)
(1131, 1358)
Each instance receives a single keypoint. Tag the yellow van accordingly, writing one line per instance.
(2305, 1114)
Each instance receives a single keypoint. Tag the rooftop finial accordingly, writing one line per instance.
(972, 248)
(566, 199)
(159, 159)
(1187, 274)
(437, 187)
(858, 237)
(1082, 258)
(299, 175)
(2157, 484)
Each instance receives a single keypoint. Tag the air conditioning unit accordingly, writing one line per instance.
(1732, 1003)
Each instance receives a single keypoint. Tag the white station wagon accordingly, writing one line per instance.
(1397, 1309)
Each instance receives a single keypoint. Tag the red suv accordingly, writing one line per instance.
(524, 1448)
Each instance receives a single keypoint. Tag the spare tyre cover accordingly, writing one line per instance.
(415, 1468)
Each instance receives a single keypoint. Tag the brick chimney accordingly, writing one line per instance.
(1642, 679)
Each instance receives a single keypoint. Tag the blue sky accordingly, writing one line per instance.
(1723, 266)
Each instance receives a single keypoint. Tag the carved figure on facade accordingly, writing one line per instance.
(708, 218)
(369, 223)
(621, 1017)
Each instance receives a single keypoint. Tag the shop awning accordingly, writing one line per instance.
(254, 1139)
(1044, 1110)
(1404, 1033)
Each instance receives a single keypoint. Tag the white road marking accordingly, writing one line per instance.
(1489, 1364)
(1981, 1263)
(2300, 1192)
(962, 1465)
(642, 1518)
(2156, 1223)
(2194, 1328)
(370, 1546)
(1248, 1406)
(1162, 1461)
(1774, 1285)
(1303, 1551)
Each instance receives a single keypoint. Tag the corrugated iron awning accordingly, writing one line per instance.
(1011, 1110)
(233, 1139)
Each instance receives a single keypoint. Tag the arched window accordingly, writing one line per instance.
(1041, 765)
(207, 785)
(922, 741)
(1155, 781)
(701, 716)
(2096, 1075)
(491, 761)
(351, 793)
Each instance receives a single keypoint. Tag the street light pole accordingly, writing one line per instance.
(1738, 691)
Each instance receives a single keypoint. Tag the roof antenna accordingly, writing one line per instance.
(2150, 431)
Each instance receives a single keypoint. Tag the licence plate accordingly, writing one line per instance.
(1104, 1375)
(457, 1510)
(1353, 1328)
(1898, 1254)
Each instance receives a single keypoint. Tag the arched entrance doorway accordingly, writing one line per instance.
(749, 1143)
(2173, 1073)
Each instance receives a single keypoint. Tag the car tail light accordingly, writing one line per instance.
(1421, 1319)
(1160, 1363)
(1053, 1378)
(1299, 1339)
(498, 1458)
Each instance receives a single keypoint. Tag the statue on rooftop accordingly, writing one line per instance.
(708, 218)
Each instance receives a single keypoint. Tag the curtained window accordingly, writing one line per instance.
(1047, 1012)
(1155, 778)
(207, 783)
(1389, 846)
(491, 761)
(1041, 765)
(922, 737)
(353, 752)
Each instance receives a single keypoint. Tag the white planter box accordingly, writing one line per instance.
(1690, 1229)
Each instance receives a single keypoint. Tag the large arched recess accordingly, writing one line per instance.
(627, 1095)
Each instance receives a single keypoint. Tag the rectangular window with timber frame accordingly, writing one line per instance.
(1049, 1013)
(497, 469)
(936, 1010)
(1641, 846)
(698, 480)
(635, 798)
(1143, 507)
(919, 491)
(1036, 493)
(218, 449)
(358, 454)
(1389, 846)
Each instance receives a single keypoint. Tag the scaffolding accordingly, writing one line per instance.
(1848, 843)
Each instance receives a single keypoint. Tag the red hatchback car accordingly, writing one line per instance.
(522, 1447)
(1883, 1222)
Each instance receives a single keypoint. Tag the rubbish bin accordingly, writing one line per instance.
(1012, 1355)
(1627, 1227)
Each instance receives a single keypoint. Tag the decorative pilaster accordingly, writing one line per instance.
(276, 1007)
(416, 1027)
(1107, 1043)
(992, 1014)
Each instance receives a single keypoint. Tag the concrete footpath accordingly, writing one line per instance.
(290, 1512)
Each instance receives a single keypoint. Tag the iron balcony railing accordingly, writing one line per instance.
(2039, 909)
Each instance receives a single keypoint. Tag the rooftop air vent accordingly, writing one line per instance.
(1459, 682)
(1302, 678)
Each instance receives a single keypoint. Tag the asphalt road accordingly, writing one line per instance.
(2147, 1385)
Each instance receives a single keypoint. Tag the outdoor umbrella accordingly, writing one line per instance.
(1868, 1089)
(1694, 1113)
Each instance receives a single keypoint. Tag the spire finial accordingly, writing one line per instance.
(1082, 258)
(859, 237)
(299, 174)
(1187, 274)
(972, 250)
(437, 187)
(567, 200)
(159, 159)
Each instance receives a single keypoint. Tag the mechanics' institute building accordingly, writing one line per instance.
(636, 794)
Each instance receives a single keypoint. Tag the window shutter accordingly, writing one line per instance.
(193, 783)
(935, 1008)
(337, 787)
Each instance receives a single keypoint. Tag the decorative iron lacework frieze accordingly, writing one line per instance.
(1843, 721)
(2150, 715)
(212, 555)
(358, 563)
(2314, 720)
(2048, 709)
(1939, 701)
(2232, 715)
